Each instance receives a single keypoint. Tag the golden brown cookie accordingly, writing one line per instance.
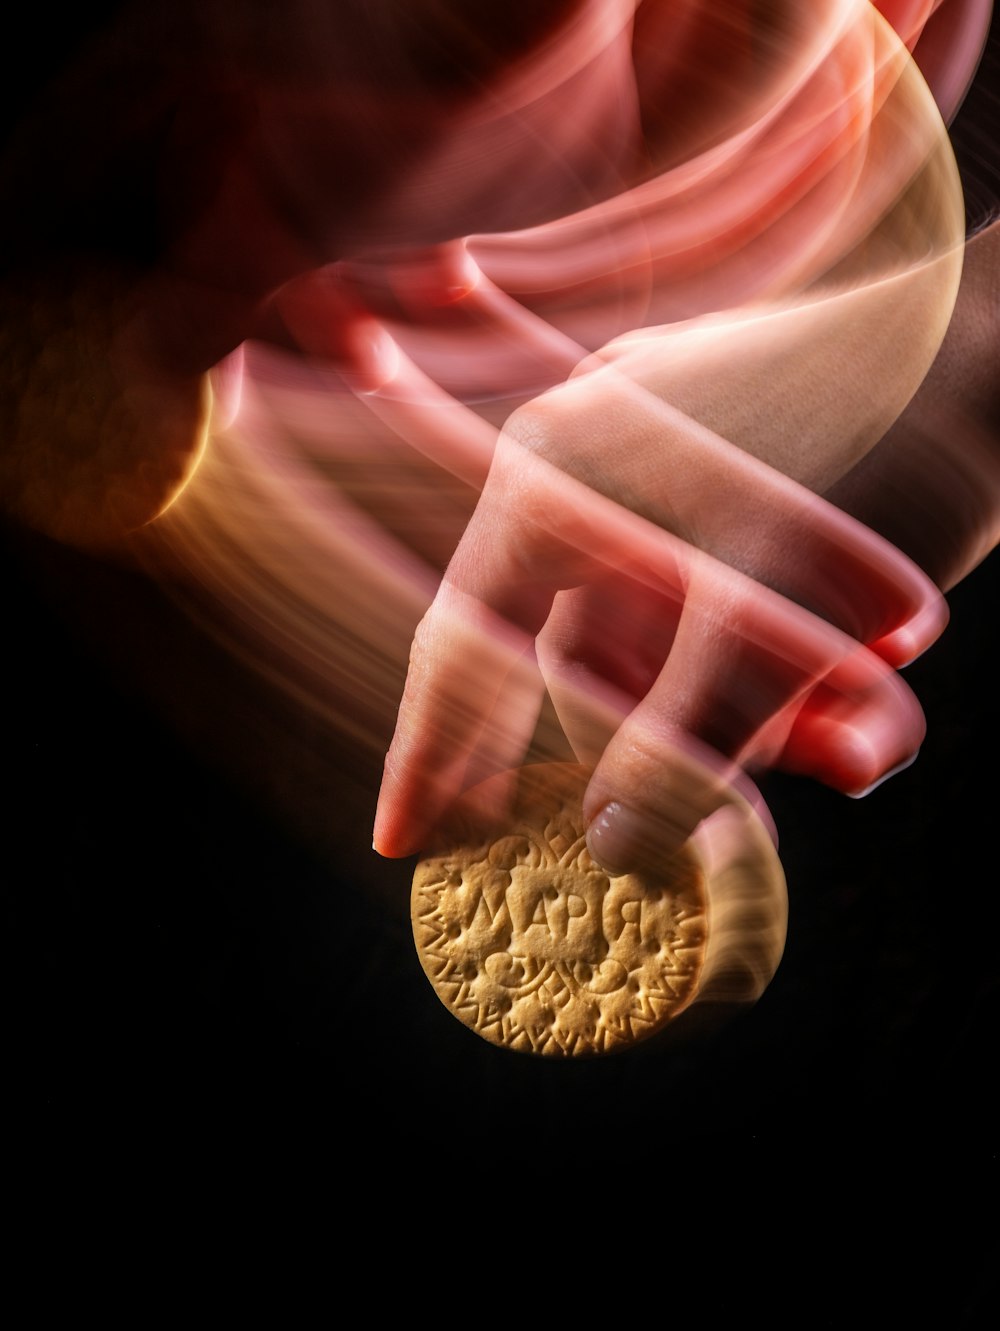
(533, 946)
(96, 440)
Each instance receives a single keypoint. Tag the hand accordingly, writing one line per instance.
(669, 667)
(695, 612)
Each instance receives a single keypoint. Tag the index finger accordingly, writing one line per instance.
(473, 689)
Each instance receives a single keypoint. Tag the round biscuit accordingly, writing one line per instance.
(532, 945)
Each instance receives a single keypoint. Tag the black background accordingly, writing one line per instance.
(188, 979)
(168, 933)
(190, 984)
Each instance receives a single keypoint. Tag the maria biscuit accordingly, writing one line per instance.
(533, 946)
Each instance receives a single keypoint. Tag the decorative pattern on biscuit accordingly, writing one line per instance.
(534, 947)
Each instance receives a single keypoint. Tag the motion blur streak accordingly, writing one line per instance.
(599, 353)
(749, 909)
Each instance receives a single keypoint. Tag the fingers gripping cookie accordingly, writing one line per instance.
(536, 949)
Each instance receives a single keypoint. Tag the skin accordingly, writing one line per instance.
(260, 176)
(676, 667)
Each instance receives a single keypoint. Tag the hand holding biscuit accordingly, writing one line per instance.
(671, 667)
(650, 544)
(652, 529)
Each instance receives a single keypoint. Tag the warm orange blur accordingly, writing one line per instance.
(614, 335)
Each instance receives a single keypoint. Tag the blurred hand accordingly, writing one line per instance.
(694, 611)
(651, 532)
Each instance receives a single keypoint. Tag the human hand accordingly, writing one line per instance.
(762, 633)
(670, 667)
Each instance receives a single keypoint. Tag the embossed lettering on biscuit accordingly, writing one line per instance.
(535, 948)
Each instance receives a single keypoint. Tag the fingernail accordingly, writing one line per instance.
(616, 838)
(893, 771)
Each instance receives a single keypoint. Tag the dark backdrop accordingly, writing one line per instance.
(187, 980)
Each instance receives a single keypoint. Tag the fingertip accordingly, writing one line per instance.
(624, 840)
(905, 644)
(394, 842)
(396, 833)
(374, 357)
(886, 776)
(600, 839)
(842, 757)
(388, 851)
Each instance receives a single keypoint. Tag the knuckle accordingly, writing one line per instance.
(533, 425)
